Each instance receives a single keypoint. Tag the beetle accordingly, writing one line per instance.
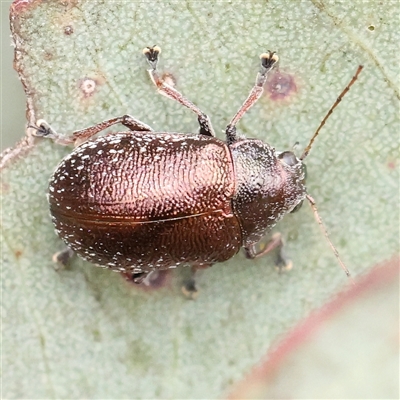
(141, 201)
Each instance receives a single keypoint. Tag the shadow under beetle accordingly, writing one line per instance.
(142, 201)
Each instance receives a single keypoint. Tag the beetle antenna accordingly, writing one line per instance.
(338, 100)
(321, 224)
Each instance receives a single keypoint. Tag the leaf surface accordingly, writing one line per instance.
(84, 332)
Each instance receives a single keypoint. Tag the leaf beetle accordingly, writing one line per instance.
(142, 201)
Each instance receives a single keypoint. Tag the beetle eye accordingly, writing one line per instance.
(288, 158)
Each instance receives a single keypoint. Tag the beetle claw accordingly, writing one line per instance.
(151, 53)
(268, 60)
(42, 128)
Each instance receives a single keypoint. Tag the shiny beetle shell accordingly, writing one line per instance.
(140, 201)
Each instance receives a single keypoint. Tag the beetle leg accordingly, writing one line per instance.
(276, 242)
(62, 258)
(268, 60)
(152, 54)
(189, 287)
(138, 277)
(45, 130)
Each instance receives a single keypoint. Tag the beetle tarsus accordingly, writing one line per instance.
(151, 53)
(62, 258)
(40, 131)
(268, 60)
(43, 129)
(282, 263)
(189, 289)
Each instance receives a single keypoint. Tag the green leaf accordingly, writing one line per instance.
(84, 332)
(348, 349)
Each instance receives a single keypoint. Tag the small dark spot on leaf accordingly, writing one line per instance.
(391, 165)
(18, 253)
(68, 30)
(371, 28)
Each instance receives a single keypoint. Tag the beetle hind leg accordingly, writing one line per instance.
(43, 129)
(152, 53)
(276, 242)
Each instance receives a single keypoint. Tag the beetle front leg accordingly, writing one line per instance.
(152, 53)
(276, 242)
(268, 60)
(43, 129)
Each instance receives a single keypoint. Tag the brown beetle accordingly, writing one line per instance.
(141, 201)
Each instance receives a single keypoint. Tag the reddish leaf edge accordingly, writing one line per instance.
(380, 276)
